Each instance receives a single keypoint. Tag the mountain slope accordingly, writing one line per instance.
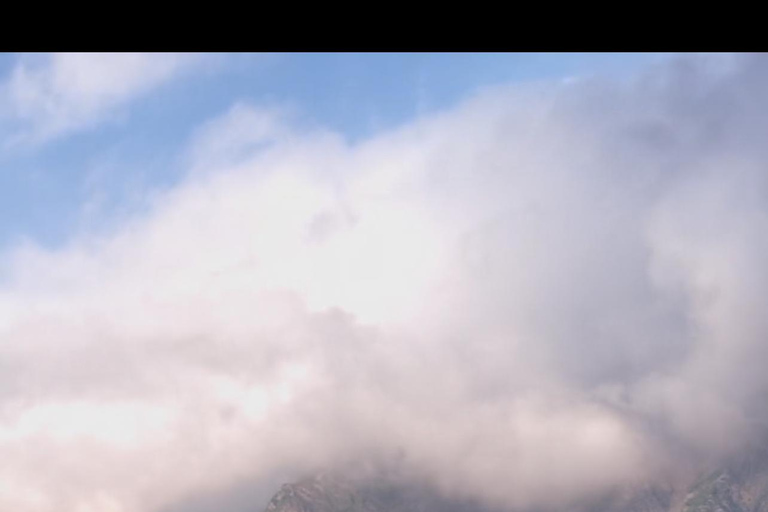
(740, 485)
(326, 493)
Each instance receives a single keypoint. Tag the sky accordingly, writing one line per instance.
(84, 135)
(525, 279)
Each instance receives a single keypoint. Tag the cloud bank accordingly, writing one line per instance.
(528, 299)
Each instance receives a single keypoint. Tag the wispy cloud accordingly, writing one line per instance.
(48, 96)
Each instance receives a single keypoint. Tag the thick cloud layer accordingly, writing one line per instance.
(529, 299)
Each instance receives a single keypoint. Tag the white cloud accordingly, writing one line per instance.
(46, 96)
(525, 299)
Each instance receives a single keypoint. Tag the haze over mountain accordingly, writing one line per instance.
(739, 484)
(550, 296)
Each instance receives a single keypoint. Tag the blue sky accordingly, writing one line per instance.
(53, 185)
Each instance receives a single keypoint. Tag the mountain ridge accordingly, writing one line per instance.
(739, 485)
